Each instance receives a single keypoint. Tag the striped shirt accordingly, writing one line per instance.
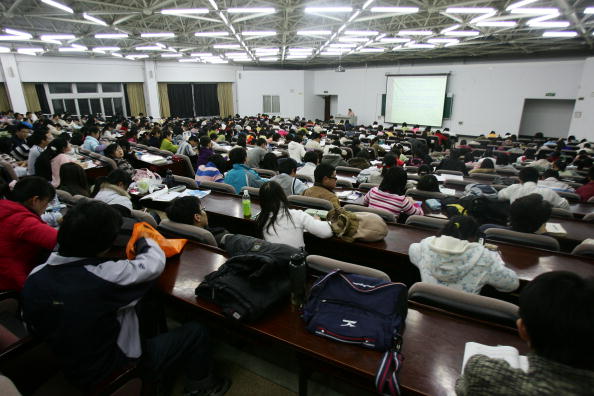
(393, 203)
(208, 172)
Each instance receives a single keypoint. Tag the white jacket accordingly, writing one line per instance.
(114, 195)
(296, 151)
(515, 191)
(291, 233)
(461, 265)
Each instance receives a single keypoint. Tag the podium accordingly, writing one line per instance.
(352, 120)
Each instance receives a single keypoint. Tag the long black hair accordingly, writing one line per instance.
(115, 177)
(73, 179)
(394, 182)
(461, 227)
(43, 164)
(272, 201)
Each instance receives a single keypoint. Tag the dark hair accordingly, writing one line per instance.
(468, 156)
(529, 213)
(237, 155)
(219, 162)
(183, 209)
(591, 173)
(272, 201)
(242, 140)
(394, 182)
(561, 165)
(88, 228)
(323, 170)
(73, 179)
(428, 183)
(487, 163)
(261, 141)
(194, 138)
(528, 174)
(115, 177)
(205, 141)
(557, 310)
(31, 186)
(461, 227)
(389, 161)
(38, 136)
(43, 164)
(288, 165)
(550, 173)
(311, 156)
(425, 170)
(269, 161)
(110, 150)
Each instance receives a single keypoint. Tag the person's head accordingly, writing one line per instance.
(193, 141)
(88, 229)
(288, 166)
(33, 192)
(269, 161)
(114, 151)
(116, 177)
(325, 175)
(487, 164)
(529, 213)
(41, 138)
(219, 162)
(428, 183)
(93, 131)
(261, 142)
(272, 202)
(237, 155)
(187, 210)
(311, 156)
(43, 166)
(205, 142)
(22, 131)
(556, 311)
(560, 165)
(72, 174)
(550, 173)
(528, 174)
(425, 170)
(394, 181)
(455, 154)
(461, 227)
(468, 157)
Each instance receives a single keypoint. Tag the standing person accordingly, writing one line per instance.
(38, 142)
(26, 240)
(325, 183)
(279, 224)
(51, 159)
(390, 194)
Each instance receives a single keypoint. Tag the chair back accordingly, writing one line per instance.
(179, 230)
(522, 238)
(9, 170)
(253, 191)
(348, 169)
(412, 169)
(305, 178)
(590, 200)
(144, 216)
(265, 172)
(462, 303)
(83, 151)
(216, 186)
(589, 216)
(423, 195)
(310, 202)
(65, 196)
(110, 162)
(506, 171)
(384, 214)
(325, 265)
(344, 183)
(562, 213)
(186, 181)
(448, 172)
(484, 176)
(432, 223)
(569, 196)
(585, 248)
(367, 186)
(189, 168)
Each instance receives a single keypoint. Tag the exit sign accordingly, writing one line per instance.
(550, 94)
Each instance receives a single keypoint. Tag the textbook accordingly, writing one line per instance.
(322, 214)
(447, 191)
(507, 353)
(555, 229)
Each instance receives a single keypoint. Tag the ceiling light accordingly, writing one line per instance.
(353, 39)
(18, 33)
(394, 40)
(482, 17)
(164, 34)
(330, 53)
(136, 56)
(469, 10)
(171, 55)
(110, 35)
(149, 48)
(117, 55)
(289, 57)
(216, 60)
(519, 4)
(11, 37)
(462, 33)
(4, 49)
(453, 27)
(537, 11)
(398, 10)
(497, 23)
(211, 34)
(443, 41)
(254, 10)
(47, 37)
(106, 48)
(94, 19)
(71, 49)
(207, 54)
(268, 59)
(188, 60)
(301, 49)
(226, 46)
(371, 50)
(343, 45)
(178, 11)
(361, 32)
(415, 32)
(314, 32)
(327, 9)
(259, 33)
(560, 34)
(549, 24)
(30, 51)
(589, 10)
(58, 5)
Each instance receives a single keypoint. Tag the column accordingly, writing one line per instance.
(12, 81)
(582, 120)
(151, 90)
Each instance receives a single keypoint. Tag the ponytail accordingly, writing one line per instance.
(461, 227)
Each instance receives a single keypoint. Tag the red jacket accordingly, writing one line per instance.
(25, 241)
(586, 191)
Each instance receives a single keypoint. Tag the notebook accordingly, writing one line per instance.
(555, 229)
(507, 353)
(322, 214)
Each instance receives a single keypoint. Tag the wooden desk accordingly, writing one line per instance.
(433, 341)
(177, 167)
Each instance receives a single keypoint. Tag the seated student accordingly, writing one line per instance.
(334, 157)
(116, 153)
(112, 189)
(188, 148)
(241, 175)
(270, 162)
(189, 210)
(361, 160)
(587, 190)
(453, 163)
(428, 183)
(88, 312)
(287, 169)
(38, 141)
(375, 175)
(390, 194)
(556, 313)
(425, 170)
(325, 183)
(256, 154)
(26, 240)
(582, 160)
(550, 179)
(49, 162)
(20, 148)
(74, 180)
(166, 142)
(313, 142)
(295, 148)
(91, 142)
(205, 151)
(279, 224)
(311, 159)
(486, 166)
(527, 214)
(455, 259)
(213, 170)
(528, 179)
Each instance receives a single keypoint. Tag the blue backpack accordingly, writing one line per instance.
(365, 311)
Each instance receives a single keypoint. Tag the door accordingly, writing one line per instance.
(549, 116)
(327, 107)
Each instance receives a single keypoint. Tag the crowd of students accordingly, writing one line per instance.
(62, 268)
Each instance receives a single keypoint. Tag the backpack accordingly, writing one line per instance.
(363, 226)
(365, 311)
(480, 190)
(413, 161)
(486, 210)
(506, 181)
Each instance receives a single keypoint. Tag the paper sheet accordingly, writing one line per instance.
(507, 353)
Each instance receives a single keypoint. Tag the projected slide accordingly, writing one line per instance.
(416, 99)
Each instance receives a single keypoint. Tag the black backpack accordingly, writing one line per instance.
(486, 210)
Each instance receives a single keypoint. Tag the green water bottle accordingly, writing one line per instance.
(247, 205)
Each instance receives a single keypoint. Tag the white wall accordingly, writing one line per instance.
(314, 104)
(195, 72)
(551, 117)
(582, 123)
(486, 95)
(289, 85)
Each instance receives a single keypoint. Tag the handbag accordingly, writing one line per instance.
(363, 226)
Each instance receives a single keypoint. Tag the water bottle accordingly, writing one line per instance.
(247, 204)
(169, 180)
(297, 275)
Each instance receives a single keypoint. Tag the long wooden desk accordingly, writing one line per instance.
(433, 340)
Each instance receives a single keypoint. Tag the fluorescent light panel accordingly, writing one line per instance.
(497, 24)
(520, 4)
(254, 10)
(361, 32)
(536, 11)
(106, 48)
(163, 34)
(314, 32)
(211, 34)
(46, 37)
(4, 49)
(548, 24)
(171, 55)
(560, 34)
(71, 49)
(18, 33)
(188, 60)
(470, 10)
(111, 35)
(442, 41)
(226, 46)
(206, 54)
(397, 10)
(415, 32)
(327, 9)
(58, 5)
(589, 10)
(149, 48)
(259, 33)
(94, 19)
(371, 50)
(462, 33)
(187, 11)
(353, 39)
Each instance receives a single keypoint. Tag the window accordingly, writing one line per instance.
(70, 106)
(60, 88)
(270, 104)
(58, 105)
(111, 87)
(83, 106)
(86, 87)
(96, 106)
(118, 106)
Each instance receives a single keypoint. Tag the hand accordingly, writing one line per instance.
(411, 200)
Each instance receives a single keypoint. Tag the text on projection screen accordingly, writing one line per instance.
(416, 99)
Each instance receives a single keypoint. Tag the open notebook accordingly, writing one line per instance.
(507, 353)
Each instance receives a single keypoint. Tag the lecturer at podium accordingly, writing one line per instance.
(350, 113)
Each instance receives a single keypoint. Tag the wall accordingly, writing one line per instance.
(313, 104)
(486, 95)
(551, 117)
(289, 85)
(195, 72)
(582, 123)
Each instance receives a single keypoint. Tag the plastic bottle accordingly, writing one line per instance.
(169, 180)
(298, 275)
(247, 204)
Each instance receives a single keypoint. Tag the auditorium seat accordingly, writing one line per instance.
(521, 238)
(172, 229)
(325, 265)
(384, 214)
(310, 202)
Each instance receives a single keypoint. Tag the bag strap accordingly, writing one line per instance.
(386, 377)
(347, 223)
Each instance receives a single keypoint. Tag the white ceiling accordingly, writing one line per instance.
(362, 33)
